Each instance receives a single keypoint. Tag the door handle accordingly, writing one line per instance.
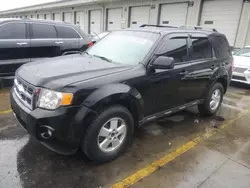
(212, 67)
(59, 42)
(21, 43)
(183, 72)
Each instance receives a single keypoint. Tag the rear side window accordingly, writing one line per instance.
(222, 48)
(67, 32)
(176, 48)
(13, 31)
(202, 49)
(43, 31)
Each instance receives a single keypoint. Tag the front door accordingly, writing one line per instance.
(171, 86)
(14, 46)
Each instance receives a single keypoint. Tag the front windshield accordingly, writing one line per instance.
(245, 52)
(124, 47)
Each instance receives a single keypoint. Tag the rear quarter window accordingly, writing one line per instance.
(67, 32)
(221, 46)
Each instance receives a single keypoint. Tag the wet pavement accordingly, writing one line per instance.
(220, 160)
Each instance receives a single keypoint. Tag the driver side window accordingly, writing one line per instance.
(176, 48)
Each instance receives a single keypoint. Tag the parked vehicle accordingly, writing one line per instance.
(241, 71)
(24, 40)
(234, 50)
(96, 99)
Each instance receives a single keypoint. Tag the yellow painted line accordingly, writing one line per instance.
(154, 166)
(5, 111)
(146, 171)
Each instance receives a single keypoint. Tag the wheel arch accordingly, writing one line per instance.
(116, 94)
(220, 76)
(223, 80)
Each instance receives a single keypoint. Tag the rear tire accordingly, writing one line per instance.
(109, 134)
(212, 101)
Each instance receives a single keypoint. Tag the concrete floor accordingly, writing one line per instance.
(222, 160)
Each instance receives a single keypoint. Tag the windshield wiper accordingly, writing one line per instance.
(104, 58)
(86, 53)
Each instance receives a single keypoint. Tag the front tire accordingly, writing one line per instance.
(109, 134)
(212, 101)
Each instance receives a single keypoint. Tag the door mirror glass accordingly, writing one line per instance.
(163, 62)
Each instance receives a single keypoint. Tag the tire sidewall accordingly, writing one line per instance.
(90, 145)
(207, 102)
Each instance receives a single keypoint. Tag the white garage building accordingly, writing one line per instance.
(231, 17)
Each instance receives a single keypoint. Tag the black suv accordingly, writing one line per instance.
(95, 100)
(23, 41)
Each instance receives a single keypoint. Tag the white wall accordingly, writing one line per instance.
(243, 35)
(193, 13)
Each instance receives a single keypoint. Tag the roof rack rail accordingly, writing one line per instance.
(197, 28)
(181, 27)
(167, 26)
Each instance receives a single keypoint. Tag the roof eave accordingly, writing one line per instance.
(49, 6)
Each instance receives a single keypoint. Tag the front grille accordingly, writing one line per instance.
(240, 70)
(239, 78)
(25, 92)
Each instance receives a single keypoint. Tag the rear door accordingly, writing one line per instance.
(204, 64)
(70, 37)
(14, 46)
(44, 41)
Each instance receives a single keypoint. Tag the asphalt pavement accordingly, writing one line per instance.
(183, 150)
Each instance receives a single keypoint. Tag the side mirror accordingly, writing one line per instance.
(163, 62)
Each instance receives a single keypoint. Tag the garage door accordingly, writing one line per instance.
(173, 14)
(57, 16)
(247, 42)
(114, 16)
(95, 21)
(68, 17)
(139, 16)
(223, 15)
(48, 16)
(80, 19)
(40, 16)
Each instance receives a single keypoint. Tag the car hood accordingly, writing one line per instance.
(56, 73)
(240, 61)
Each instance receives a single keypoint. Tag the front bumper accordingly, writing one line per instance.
(68, 127)
(241, 75)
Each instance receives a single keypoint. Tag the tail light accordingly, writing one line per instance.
(90, 44)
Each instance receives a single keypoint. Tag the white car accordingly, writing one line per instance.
(99, 36)
(241, 71)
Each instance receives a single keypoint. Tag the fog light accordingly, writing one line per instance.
(46, 132)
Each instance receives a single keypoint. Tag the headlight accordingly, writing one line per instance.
(51, 100)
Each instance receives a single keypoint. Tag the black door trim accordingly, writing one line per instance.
(169, 112)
